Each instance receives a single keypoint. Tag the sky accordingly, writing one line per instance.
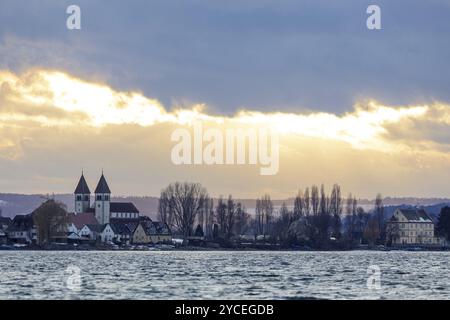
(369, 109)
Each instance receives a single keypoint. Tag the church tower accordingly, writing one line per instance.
(82, 196)
(102, 201)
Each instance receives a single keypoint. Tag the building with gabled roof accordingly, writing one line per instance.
(103, 209)
(154, 232)
(410, 227)
(80, 219)
(5, 222)
(22, 229)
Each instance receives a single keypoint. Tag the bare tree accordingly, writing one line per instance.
(351, 211)
(348, 204)
(230, 218)
(281, 226)
(306, 200)
(336, 210)
(298, 206)
(349, 218)
(187, 199)
(323, 207)
(315, 199)
(259, 217)
(393, 232)
(354, 206)
(209, 217)
(242, 219)
(227, 216)
(371, 231)
(267, 207)
(165, 209)
(221, 215)
(321, 221)
(51, 220)
(285, 213)
(379, 216)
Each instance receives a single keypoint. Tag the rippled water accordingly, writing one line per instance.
(223, 275)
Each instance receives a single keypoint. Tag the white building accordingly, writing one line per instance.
(107, 234)
(91, 232)
(411, 227)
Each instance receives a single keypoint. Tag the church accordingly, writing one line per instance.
(105, 211)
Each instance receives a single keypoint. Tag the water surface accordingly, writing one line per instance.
(223, 275)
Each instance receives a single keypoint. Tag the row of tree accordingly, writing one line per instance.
(320, 220)
(317, 218)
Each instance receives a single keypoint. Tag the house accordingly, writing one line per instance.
(73, 237)
(124, 231)
(79, 220)
(103, 209)
(22, 229)
(139, 234)
(91, 232)
(107, 234)
(159, 232)
(410, 227)
(4, 223)
(152, 232)
(3, 238)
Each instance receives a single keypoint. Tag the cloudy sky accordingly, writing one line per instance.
(367, 109)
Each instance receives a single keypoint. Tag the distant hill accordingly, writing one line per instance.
(12, 204)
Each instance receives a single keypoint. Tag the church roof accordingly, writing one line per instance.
(82, 187)
(81, 219)
(123, 207)
(102, 186)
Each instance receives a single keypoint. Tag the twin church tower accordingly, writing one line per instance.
(103, 208)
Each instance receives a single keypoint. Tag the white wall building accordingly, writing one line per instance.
(411, 227)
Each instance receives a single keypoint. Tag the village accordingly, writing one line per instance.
(102, 224)
(313, 223)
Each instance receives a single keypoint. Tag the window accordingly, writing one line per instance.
(99, 197)
(86, 198)
(78, 197)
(106, 197)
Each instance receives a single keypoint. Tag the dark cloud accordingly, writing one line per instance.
(259, 54)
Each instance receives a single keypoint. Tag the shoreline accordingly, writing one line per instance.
(203, 249)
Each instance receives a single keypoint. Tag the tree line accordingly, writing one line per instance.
(317, 219)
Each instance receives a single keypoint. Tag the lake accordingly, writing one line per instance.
(224, 275)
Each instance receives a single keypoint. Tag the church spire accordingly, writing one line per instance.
(82, 187)
(102, 186)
